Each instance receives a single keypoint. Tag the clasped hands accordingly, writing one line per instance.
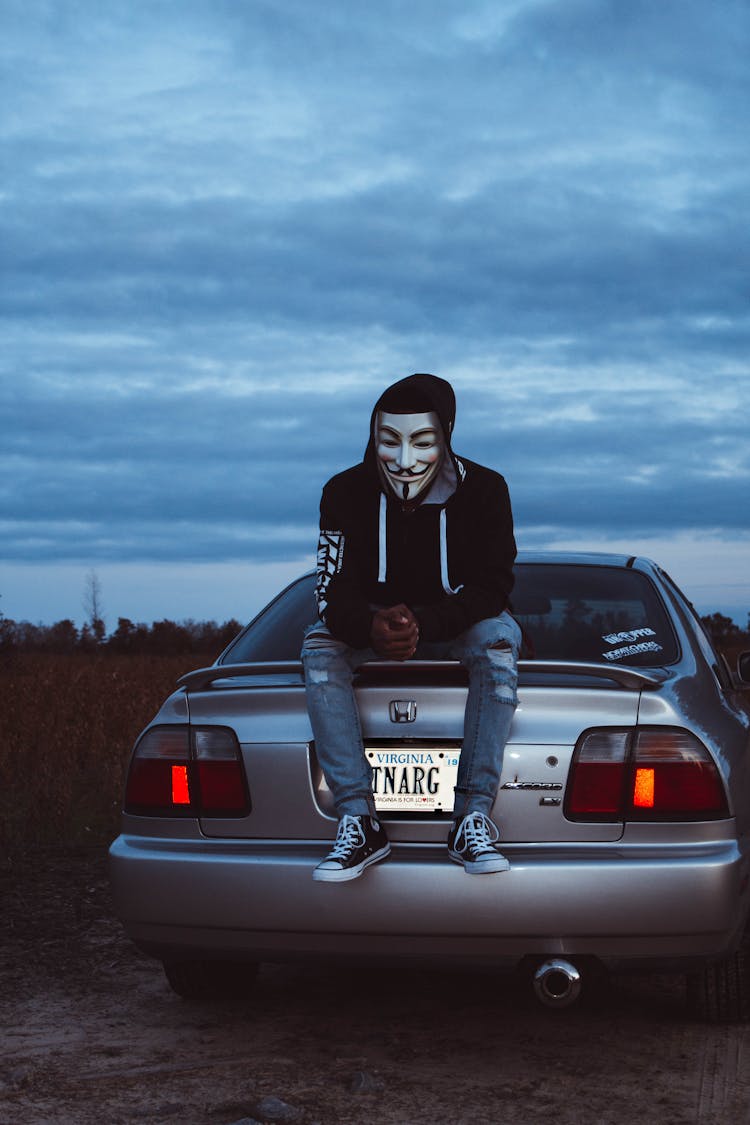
(394, 633)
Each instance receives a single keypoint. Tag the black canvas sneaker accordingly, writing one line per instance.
(471, 841)
(360, 840)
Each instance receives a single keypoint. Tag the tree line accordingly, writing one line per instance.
(725, 632)
(173, 638)
(162, 638)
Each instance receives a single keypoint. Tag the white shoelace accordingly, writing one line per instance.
(478, 832)
(348, 837)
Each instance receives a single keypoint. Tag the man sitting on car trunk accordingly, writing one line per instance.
(415, 559)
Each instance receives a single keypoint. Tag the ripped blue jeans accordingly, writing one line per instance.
(489, 650)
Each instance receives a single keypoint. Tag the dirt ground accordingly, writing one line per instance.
(93, 1034)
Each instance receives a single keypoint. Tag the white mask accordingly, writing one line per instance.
(410, 449)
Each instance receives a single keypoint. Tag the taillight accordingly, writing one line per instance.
(675, 778)
(159, 776)
(597, 776)
(221, 778)
(187, 771)
(650, 773)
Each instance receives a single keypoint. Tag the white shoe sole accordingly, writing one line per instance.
(483, 866)
(323, 874)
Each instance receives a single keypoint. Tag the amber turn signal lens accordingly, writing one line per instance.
(643, 789)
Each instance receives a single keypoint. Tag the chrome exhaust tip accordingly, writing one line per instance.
(557, 983)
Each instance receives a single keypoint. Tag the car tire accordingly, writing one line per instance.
(720, 993)
(203, 981)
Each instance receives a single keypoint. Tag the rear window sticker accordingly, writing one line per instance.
(636, 645)
(632, 650)
(628, 635)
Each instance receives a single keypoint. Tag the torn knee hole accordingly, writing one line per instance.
(505, 694)
(318, 676)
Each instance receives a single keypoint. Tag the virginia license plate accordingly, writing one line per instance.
(413, 780)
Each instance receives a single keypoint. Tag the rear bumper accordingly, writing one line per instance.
(635, 905)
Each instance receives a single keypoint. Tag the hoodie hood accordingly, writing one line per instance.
(417, 394)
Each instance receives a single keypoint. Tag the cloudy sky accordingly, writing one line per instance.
(228, 224)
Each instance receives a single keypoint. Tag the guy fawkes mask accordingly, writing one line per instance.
(410, 449)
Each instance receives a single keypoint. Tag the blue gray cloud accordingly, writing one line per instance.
(227, 226)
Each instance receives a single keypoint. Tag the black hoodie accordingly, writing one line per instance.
(449, 558)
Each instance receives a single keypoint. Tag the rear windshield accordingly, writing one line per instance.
(605, 614)
(277, 632)
(567, 612)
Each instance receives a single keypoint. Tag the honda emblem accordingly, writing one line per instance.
(402, 710)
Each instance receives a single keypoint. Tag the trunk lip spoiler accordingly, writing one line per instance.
(630, 678)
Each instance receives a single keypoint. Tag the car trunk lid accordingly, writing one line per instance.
(410, 714)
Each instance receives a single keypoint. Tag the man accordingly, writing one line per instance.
(415, 557)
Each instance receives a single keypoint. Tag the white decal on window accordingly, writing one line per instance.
(632, 650)
(628, 635)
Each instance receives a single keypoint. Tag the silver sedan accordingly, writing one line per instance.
(624, 805)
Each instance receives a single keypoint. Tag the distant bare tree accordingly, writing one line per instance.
(92, 604)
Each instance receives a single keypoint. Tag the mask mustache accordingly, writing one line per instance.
(407, 472)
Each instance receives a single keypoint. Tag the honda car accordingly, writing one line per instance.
(623, 807)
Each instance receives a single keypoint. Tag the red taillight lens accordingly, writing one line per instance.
(221, 778)
(644, 774)
(180, 786)
(152, 780)
(597, 778)
(675, 778)
(184, 771)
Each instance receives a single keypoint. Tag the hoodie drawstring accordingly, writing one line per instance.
(382, 542)
(444, 555)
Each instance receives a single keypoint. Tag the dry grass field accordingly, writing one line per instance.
(68, 726)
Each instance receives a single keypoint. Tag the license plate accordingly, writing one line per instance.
(413, 780)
